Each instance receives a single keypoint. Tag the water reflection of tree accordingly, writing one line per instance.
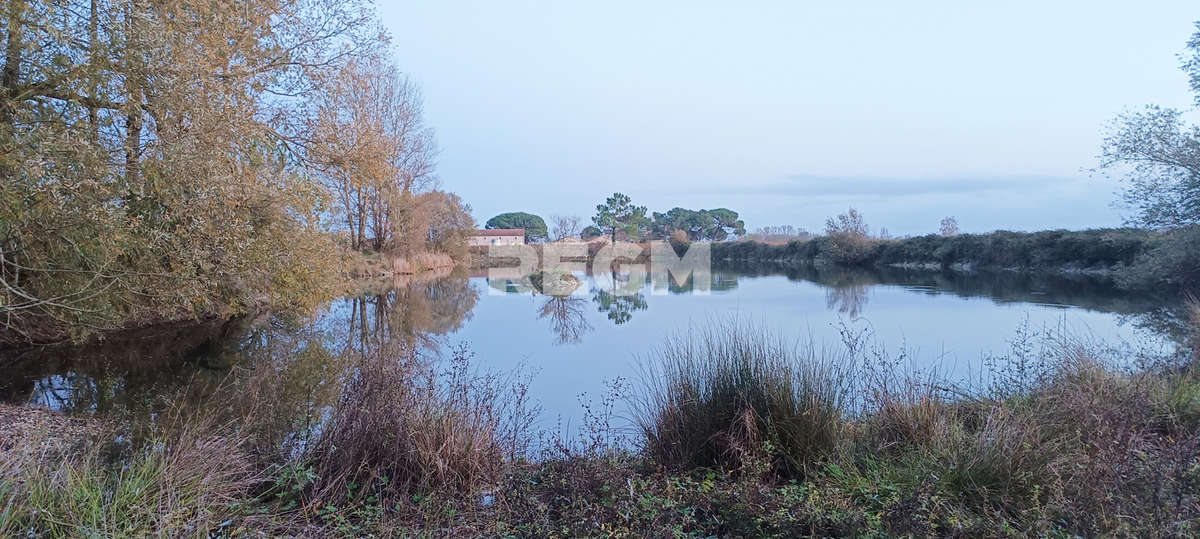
(283, 371)
(1172, 322)
(718, 282)
(848, 299)
(1089, 292)
(412, 310)
(619, 306)
(280, 363)
(568, 318)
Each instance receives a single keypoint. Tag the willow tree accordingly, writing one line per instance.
(1156, 151)
(153, 157)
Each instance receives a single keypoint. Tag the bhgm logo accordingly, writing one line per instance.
(622, 268)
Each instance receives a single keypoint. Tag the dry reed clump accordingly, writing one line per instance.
(186, 484)
(1069, 440)
(1007, 461)
(409, 424)
(1055, 437)
(987, 451)
(357, 265)
(730, 395)
(910, 416)
(421, 261)
(1122, 440)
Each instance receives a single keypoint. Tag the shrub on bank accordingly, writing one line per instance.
(1140, 258)
(1049, 249)
(1172, 260)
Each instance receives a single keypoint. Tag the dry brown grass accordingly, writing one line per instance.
(356, 265)
(419, 262)
(1193, 312)
(39, 433)
(412, 424)
(910, 416)
(1081, 436)
(185, 484)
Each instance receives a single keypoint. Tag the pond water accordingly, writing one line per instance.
(588, 335)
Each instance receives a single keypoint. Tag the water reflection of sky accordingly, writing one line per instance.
(940, 328)
(591, 331)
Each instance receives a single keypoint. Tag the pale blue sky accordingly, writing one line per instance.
(788, 112)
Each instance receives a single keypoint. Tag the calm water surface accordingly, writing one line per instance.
(587, 335)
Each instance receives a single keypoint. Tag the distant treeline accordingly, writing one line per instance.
(1136, 258)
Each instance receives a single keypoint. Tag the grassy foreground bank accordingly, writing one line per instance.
(739, 433)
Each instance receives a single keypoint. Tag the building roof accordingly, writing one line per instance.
(500, 232)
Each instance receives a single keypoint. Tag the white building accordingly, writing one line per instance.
(497, 236)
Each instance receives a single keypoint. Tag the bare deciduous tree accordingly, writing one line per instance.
(850, 236)
(949, 226)
(372, 148)
(564, 226)
(850, 223)
(779, 234)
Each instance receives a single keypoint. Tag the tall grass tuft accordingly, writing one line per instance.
(728, 394)
(410, 424)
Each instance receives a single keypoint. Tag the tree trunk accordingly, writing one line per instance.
(361, 219)
(93, 37)
(133, 103)
(11, 78)
(350, 226)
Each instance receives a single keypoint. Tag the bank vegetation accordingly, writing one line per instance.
(738, 432)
